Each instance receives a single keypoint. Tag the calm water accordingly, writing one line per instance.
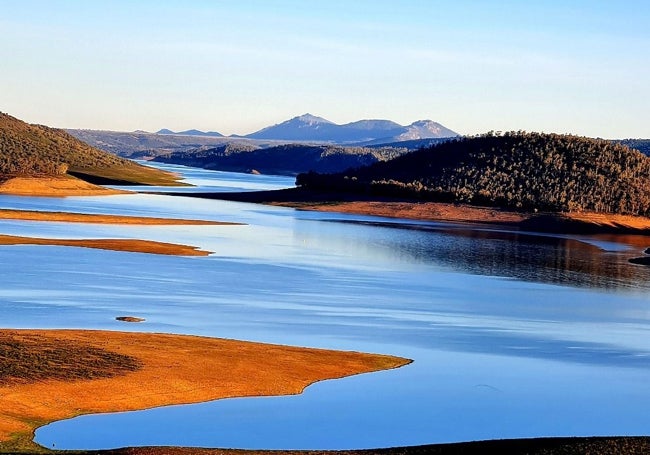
(512, 334)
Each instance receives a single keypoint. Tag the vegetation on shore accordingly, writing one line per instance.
(515, 170)
(39, 151)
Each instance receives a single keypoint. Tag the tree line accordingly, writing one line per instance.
(518, 170)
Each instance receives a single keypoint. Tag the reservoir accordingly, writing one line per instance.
(513, 334)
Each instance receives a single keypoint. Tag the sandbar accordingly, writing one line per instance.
(127, 245)
(49, 375)
(71, 217)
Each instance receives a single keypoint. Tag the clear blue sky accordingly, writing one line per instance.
(571, 66)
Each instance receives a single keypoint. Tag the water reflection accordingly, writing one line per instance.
(527, 256)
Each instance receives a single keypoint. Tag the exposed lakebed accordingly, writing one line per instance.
(512, 335)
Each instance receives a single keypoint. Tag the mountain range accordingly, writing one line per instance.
(190, 133)
(310, 128)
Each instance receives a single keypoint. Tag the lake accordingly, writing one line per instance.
(512, 334)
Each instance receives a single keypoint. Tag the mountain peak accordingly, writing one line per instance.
(425, 129)
(312, 119)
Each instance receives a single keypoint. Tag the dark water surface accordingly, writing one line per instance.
(512, 334)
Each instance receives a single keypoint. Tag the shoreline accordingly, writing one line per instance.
(547, 222)
(61, 374)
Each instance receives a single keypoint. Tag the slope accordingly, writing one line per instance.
(39, 151)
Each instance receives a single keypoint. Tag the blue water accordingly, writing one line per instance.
(512, 334)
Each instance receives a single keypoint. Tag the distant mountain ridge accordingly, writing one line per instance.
(190, 133)
(309, 127)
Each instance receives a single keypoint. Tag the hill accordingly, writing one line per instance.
(308, 128)
(36, 150)
(141, 144)
(516, 170)
(289, 159)
(642, 145)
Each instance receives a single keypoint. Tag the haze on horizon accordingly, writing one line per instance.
(579, 67)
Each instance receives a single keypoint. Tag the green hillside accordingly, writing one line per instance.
(524, 171)
(36, 150)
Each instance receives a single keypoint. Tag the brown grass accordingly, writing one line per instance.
(53, 187)
(128, 371)
(129, 245)
(68, 217)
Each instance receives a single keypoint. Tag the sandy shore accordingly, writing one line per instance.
(568, 223)
(128, 245)
(48, 375)
(69, 217)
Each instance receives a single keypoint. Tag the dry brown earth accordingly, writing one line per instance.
(128, 245)
(68, 217)
(53, 187)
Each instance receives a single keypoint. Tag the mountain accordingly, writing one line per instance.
(37, 150)
(518, 170)
(190, 133)
(309, 128)
(306, 127)
(425, 129)
(140, 144)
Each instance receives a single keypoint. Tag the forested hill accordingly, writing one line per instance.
(290, 159)
(642, 145)
(525, 171)
(37, 150)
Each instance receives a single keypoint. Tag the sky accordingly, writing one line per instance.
(570, 66)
